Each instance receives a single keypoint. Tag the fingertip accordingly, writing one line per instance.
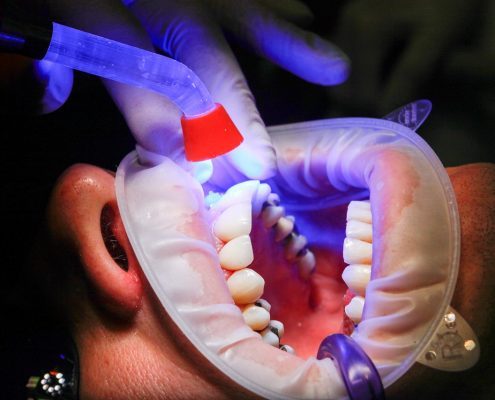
(336, 73)
(57, 81)
(325, 63)
(254, 162)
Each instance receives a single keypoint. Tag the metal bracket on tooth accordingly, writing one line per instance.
(453, 347)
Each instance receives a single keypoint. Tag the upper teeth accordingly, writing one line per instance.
(246, 286)
(357, 252)
(233, 222)
(232, 225)
(357, 276)
(237, 253)
(359, 211)
(257, 318)
(355, 309)
(295, 245)
(271, 215)
(359, 230)
(283, 228)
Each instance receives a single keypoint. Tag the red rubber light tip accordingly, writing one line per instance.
(209, 135)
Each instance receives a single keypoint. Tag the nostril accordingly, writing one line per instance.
(114, 248)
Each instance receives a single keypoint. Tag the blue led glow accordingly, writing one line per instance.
(202, 170)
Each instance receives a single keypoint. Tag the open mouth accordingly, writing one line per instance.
(257, 275)
(267, 261)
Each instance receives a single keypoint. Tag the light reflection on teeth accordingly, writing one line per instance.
(359, 211)
(257, 318)
(237, 254)
(245, 286)
(354, 309)
(357, 277)
(233, 222)
(357, 252)
(359, 230)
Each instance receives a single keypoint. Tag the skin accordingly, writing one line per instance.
(119, 325)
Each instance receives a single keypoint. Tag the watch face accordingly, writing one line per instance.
(53, 383)
(59, 377)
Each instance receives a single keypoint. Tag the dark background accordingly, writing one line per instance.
(89, 129)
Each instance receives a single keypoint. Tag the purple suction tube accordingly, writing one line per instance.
(360, 376)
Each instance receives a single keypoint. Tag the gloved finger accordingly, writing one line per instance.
(301, 52)
(57, 84)
(32, 86)
(152, 118)
(188, 34)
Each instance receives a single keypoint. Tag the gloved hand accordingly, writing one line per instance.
(398, 47)
(191, 32)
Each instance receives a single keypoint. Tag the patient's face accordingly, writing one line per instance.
(121, 325)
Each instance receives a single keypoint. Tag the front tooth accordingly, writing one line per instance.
(306, 264)
(271, 215)
(233, 222)
(283, 228)
(277, 328)
(295, 245)
(257, 318)
(246, 286)
(359, 230)
(237, 254)
(360, 211)
(243, 192)
(354, 309)
(357, 252)
(357, 277)
(269, 337)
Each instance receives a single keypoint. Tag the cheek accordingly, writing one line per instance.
(475, 190)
